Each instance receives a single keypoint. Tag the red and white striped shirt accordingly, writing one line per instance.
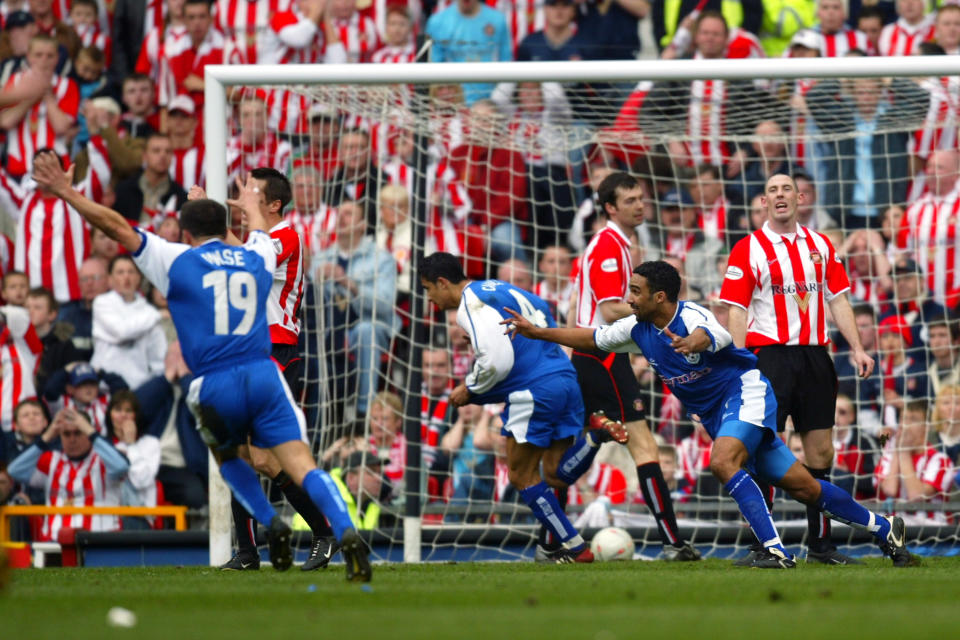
(798, 123)
(433, 423)
(186, 167)
(939, 129)
(713, 222)
(929, 231)
(694, 455)
(246, 26)
(36, 131)
(933, 468)
(6, 256)
(707, 122)
(299, 40)
(20, 350)
(51, 240)
(182, 60)
(559, 298)
(359, 37)
(839, 44)
(318, 230)
(158, 40)
(784, 284)
(96, 410)
(604, 275)
(902, 39)
(92, 36)
(393, 55)
(283, 304)
(78, 483)
(395, 457)
(269, 152)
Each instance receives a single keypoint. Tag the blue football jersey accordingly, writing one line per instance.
(701, 381)
(502, 365)
(217, 295)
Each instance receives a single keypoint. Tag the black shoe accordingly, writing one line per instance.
(241, 561)
(569, 556)
(544, 555)
(895, 545)
(773, 558)
(321, 551)
(747, 560)
(278, 537)
(355, 557)
(830, 556)
(686, 553)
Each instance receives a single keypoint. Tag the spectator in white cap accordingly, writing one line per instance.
(186, 167)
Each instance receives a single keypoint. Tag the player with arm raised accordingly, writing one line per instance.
(778, 283)
(543, 411)
(283, 318)
(721, 387)
(217, 295)
(607, 381)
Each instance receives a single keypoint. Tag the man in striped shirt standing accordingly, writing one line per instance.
(606, 379)
(778, 283)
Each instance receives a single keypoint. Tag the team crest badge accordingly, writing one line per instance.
(815, 257)
(637, 404)
(488, 30)
(692, 358)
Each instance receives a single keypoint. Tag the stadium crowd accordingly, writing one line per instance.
(92, 371)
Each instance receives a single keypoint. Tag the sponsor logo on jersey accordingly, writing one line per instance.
(687, 377)
(734, 273)
(796, 288)
(609, 265)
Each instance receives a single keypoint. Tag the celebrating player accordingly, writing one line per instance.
(607, 381)
(543, 412)
(283, 316)
(779, 281)
(217, 296)
(721, 387)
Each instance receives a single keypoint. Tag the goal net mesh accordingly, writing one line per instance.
(382, 173)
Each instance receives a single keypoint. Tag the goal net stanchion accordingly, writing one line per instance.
(537, 171)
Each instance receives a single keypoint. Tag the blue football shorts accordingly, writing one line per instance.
(545, 413)
(245, 400)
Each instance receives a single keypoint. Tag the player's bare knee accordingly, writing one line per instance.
(806, 490)
(553, 481)
(723, 467)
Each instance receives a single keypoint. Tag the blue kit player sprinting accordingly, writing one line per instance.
(543, 412)
(217, 294)
(721, 387)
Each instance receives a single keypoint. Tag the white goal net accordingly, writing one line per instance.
(388, 164)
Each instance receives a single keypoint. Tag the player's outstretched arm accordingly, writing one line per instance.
(50, 176)
(581, 339)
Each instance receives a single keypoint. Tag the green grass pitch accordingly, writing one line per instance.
(709, 600)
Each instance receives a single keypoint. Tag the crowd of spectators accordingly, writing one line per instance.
(93, 382)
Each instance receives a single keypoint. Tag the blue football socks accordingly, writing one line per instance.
(324, 492)
(542, 501)
(246, 488)
(839, 505)
(749, 498)
(577, 459)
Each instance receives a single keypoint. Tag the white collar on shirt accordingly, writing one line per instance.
(775, 237)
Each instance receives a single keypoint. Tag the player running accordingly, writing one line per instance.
(721, 387)
(217, 295)
(543, 411)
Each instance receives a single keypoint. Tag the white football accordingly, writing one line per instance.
(612, 543)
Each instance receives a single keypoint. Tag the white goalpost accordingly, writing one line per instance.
(553, 161)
